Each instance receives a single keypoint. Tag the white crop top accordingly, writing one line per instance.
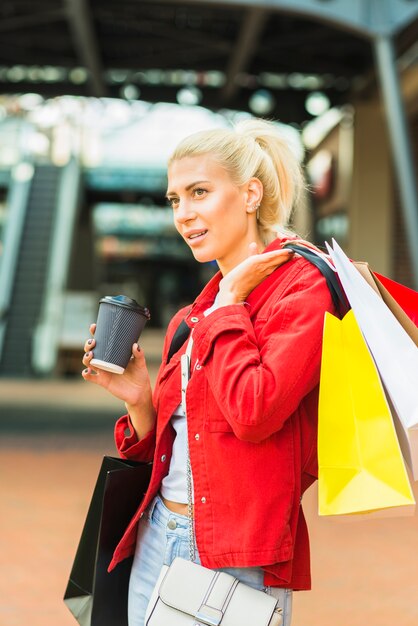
(174, 485)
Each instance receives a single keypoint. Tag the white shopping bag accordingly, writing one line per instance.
(394, 352)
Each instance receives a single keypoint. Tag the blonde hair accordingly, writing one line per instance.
(254, 148)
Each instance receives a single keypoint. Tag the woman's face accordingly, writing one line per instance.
(211, 212)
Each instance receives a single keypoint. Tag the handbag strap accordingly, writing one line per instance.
(179, 337)
(185, 377)
(320, 261)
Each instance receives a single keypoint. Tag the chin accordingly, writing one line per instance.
(202, 256)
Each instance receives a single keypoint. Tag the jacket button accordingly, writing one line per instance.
(163, 458)
(203, 500)
(197, 436)
(198, 366)
(172, 524)
(194, 319)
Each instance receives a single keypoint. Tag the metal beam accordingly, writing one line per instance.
(28, 21)
(401, 146)
(243, 50)
(365, 17)
(85, 43)
(156, 29)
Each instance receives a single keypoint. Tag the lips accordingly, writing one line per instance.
(195, 235)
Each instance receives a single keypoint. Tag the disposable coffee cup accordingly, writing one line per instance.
(120, 322)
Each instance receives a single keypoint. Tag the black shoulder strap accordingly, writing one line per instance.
(179, 337)
(330, 276)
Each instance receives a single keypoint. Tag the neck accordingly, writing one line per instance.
(239, 254)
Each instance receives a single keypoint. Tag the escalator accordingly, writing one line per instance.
(31, 272)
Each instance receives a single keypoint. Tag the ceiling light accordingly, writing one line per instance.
(16, 73)
(317, 103)
(189, 96)
(130, 92)
(78, 75)
(262, 102)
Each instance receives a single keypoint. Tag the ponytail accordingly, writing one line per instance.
(254, 148)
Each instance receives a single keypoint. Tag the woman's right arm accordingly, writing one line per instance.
(133, 387)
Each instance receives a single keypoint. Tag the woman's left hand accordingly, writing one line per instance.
(247, 275)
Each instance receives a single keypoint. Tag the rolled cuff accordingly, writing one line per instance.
(128, 444)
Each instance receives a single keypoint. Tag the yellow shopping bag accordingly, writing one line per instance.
(361, 468)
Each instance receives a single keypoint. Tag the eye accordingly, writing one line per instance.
(173, 201)
(199, 192)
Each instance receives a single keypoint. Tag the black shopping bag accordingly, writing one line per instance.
(94, 596)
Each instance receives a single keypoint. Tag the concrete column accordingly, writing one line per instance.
(401, 144)
(371, 199)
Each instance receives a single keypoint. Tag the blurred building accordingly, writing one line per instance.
(83, 215)
(82, 180)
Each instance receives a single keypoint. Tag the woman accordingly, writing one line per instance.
(252, 396)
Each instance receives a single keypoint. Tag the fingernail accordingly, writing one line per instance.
(90, 341)
(87, 354)
(86, 371)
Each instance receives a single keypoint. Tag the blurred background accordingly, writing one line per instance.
(93, 98)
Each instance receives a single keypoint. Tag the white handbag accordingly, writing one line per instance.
(188, 594)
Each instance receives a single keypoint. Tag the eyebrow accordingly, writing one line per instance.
(197, 182)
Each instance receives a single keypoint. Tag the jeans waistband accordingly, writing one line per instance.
(158, 511)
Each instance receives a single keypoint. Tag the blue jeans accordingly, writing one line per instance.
(163, 535)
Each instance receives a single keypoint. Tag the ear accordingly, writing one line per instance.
(254, 193)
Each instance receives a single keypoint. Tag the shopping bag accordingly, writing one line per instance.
(379, 284)
(361, 468)
(393, 350)
(405, 297)
(94, 596)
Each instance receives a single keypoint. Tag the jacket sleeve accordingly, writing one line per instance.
(126, 439)
(265, 375)
(128, 444)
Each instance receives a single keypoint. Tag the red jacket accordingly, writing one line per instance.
(252, 423)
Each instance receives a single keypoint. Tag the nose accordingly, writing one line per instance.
(184, 212)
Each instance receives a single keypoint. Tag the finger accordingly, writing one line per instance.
(87, 358)
(92, 328)
(272, 261)
(278, 253)
(91, 375)
(276, 256)
(90, 343)
(136, 351)
(138, 357)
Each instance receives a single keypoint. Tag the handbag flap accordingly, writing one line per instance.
(250, 607)
(186, 584)
(214, 597)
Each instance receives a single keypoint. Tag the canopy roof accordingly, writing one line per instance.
(228, 50)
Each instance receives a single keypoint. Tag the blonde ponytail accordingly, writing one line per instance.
(254, 148)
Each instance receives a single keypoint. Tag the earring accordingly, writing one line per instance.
(256, 208)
